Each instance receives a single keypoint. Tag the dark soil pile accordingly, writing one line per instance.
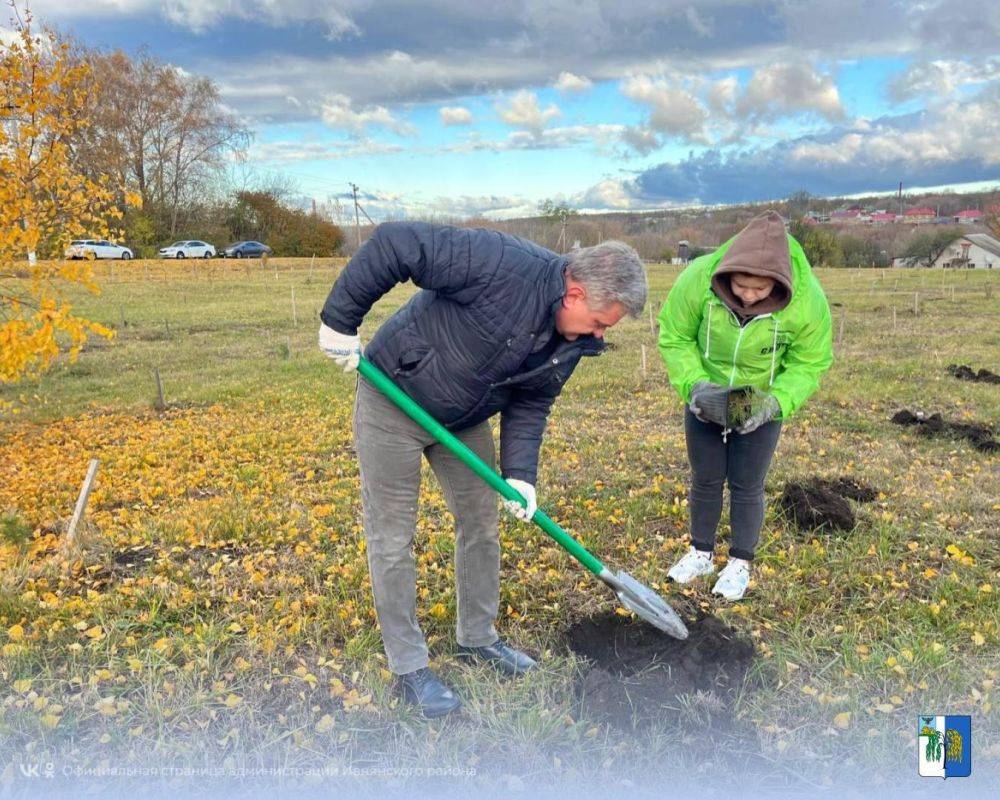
(640, 674)
(980, 436)
(812, 506)
(849, 488)
(819, 503)
(966, 373)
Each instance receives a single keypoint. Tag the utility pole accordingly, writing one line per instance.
(357, 219)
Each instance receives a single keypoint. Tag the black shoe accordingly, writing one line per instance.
(425, 690)
(505, 659)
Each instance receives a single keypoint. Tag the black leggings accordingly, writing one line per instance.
(742, 461)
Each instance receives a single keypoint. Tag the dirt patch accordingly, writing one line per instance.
(813, 506)
(980, 436)
(821, 503)
(640, 675)
(966, 373)
(849, 488)
(132, 560)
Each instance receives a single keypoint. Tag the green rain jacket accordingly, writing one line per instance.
(783, 353)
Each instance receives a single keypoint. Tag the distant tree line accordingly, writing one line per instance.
(165, 135)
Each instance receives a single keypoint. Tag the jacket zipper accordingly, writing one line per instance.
(736, 350)
(739, 337)
(549, 364)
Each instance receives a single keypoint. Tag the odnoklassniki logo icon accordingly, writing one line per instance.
(944, 746)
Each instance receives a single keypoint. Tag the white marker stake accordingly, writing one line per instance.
(81, 502)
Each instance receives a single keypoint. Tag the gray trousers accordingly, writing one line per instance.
(742, 462)
(390, 446)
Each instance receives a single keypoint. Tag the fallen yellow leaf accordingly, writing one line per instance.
(324, 724)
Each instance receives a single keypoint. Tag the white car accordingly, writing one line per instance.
(97, 248)
(190, 249)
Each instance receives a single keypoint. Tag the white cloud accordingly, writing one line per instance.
(291, 151)
(568, 82)
(697, 23)
(781, 89)
(383, 205)
(609, 193)
(952, 132)
(673, 110)
(201, 15)
(523, 111)
(455, 115)
(338, 112)
(641, 139)
(722, 94)
(8, 36)
(943, 77)
(466, 206)
(548, 139)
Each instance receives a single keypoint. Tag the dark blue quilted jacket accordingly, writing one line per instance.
(458, 347)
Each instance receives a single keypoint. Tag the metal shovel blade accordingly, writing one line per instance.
(646, 603)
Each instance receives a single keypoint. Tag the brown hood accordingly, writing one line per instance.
(761, 248)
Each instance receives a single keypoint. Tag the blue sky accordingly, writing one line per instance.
(456, 109)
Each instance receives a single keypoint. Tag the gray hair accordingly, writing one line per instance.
(610, 272)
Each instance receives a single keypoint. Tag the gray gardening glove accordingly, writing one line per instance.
(704, 399)
(767, 411)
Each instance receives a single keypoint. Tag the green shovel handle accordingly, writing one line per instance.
(381, 381)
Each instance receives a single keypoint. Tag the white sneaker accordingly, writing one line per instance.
(693, 564)
(733, 580)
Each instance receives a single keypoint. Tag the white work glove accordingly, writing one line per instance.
(341, 347)
(523, 513)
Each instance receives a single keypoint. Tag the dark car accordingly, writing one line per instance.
(246, 250)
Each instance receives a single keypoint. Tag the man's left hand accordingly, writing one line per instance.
(523, 513)
(769, 409)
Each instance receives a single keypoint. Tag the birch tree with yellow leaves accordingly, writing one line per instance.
(46, 200)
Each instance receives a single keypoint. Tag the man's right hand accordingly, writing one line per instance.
(343, 348)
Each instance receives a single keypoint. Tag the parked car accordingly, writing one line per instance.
(247, 249)
(194, 248)
(96, 248)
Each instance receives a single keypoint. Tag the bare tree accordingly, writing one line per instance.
(159, 131)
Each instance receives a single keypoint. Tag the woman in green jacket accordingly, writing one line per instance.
(750, 316)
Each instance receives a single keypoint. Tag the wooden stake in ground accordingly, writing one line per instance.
(81, 502)
(916, 303)
(652, 322)
(160, 405)
(643, 348)
(295, 312)
(840, 333)
(894, 319)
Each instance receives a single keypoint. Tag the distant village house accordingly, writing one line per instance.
(972, 251)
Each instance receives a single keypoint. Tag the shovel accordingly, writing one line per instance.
(637, 598)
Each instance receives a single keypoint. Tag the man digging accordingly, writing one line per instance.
(498, 327)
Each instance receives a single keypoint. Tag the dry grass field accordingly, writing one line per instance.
(216, 611)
